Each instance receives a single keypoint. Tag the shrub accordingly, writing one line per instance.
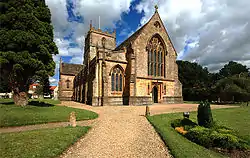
(227, 141)
(176, 123)
(224, 131)
(212, 138)
(204, 115)
(200, 135)
(186, 123)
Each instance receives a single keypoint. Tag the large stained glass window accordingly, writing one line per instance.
(116, 79)
(156, 57)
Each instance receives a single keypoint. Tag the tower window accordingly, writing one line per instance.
(67, 83)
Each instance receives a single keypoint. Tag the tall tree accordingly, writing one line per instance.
(195, 80)
(232, 68)
(26, 44)
(234, 88)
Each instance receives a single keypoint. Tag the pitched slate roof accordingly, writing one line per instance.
(70, 69)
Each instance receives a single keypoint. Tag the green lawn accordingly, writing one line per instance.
(191, 102)
(237, 119)
(37, 113)
(49, 101)
(39, 143)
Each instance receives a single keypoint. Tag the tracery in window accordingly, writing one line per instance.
(117, 79)
(156, 57)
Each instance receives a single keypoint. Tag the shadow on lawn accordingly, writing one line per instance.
(40, 104)
(7, 103)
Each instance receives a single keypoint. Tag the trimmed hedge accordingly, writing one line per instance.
(200, 135)
(218, 136)
(186, 123)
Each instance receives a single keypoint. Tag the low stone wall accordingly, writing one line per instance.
(65, 98)
(107, 101)
(132, 100)
(119, 100)
(140, 100)
(173, 100)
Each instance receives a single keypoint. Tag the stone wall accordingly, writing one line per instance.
(119, 100)
(64, 92)
(173, 99)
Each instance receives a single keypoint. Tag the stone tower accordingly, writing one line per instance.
(96, 38)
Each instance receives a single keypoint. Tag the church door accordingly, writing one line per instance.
(155, 94)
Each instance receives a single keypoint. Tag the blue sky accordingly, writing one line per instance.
(128, 24)
(211, 33)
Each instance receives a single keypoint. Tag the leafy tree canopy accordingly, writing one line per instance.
(26, 42)
(232, 68)
(192, 75)
(234, 88)
(229, 83)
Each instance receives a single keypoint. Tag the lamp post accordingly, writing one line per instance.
(186, 115)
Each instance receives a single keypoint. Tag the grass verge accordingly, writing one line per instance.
(179, 146)
(39, 143)
(235, 118)
(12, 115)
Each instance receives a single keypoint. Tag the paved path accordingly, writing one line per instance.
(123, 131)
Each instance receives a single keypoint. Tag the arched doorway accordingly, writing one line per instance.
(155, 94)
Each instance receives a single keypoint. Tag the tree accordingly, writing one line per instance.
(234, 88)
(195, 80)
(204, 115)
(39, 90)
(232, 68)
(26, 44)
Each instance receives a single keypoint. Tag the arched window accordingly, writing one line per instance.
(103, 42)
(156, 57)
(67, 83)
(117, 79)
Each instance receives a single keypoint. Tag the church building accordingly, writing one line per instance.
(142, 70)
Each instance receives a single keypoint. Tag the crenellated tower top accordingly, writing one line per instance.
(99, 31)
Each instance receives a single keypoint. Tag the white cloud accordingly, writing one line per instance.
(52, 81)
(109, 11)
(75, 51)
(62, 46)
(222, 27)
(76, 60)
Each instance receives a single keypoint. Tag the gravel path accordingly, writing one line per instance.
(120, 132)
(123, 131)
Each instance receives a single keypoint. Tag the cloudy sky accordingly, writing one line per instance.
(210, 32)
